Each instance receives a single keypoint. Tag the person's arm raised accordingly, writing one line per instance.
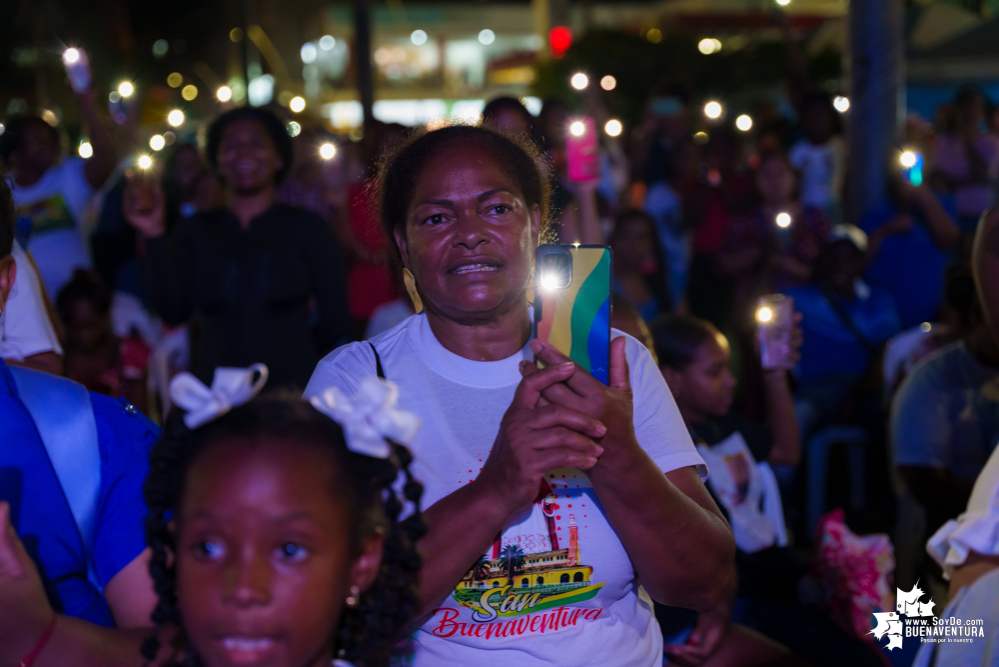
(531, 441)
(25, 616)
(679, 543)
(985, 263)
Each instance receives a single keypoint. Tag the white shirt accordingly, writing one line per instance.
(25, 328)
(821, 168)
(589, 608)
(56, 205)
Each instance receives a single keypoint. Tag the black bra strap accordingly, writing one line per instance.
(378, 362)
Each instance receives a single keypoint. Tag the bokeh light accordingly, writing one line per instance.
(189, 92)
(608, 82)
(309, 53)
(487, 37)
(579, 81)
(125, 89)
(418, 37)
(71, 56)
(224, 94)
(327, 42)
(175, 79)
(145, 162)
(654, 35)
(613, 127)
(709, 45)
(713, 110)
(236, 35)
(783, 220)
(764, 314)
(85, 150)
(744, 123)
(297, 104)
(577, 128)
(842, 104)
(160, 48)
(176, 118)
(907, 159)
(157, 142)
(294, 129)
(327, 151)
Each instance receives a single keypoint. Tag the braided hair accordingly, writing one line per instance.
(369, 634)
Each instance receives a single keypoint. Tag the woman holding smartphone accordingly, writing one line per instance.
(551, 521)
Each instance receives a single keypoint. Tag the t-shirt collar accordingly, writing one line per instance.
(477, 374)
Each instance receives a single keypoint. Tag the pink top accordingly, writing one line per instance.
(950, 158)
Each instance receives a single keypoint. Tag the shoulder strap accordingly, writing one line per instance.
(64, 416)
(378, 362)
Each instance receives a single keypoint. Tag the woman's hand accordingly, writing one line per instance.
(25, 612)
(534, 439)
(707, 636)
(612, 404)
(143, 205)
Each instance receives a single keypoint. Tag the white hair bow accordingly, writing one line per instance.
(231, 387)
(370, 417)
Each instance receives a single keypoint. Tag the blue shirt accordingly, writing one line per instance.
(41, 515)
(909, 265)
(946, 414)
(829, 347)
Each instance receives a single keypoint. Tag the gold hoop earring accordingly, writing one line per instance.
(354, 598)
(414, 295)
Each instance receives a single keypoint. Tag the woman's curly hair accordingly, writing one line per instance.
(369, 634)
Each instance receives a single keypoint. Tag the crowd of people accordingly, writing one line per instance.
(167, 497)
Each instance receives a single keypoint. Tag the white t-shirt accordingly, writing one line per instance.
(56, 205)
(575, 598)
(25, 328)
(821, 168)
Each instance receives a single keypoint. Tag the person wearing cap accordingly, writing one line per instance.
(844, 324)
(74, 579)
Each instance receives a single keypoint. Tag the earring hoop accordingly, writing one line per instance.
(414, 295)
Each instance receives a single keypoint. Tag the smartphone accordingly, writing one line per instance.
(581, 150)
(572, 303)
(77, 66)
(915, 173)
(775, 315)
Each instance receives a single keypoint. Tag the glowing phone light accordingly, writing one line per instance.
(764, 314)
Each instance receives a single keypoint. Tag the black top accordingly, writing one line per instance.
(251, 291)
(757, 435)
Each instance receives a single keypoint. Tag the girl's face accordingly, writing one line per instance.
(247, 159)
(470, 236)
(705, 388)
(775, 181)
(264, 563)
(634, 243)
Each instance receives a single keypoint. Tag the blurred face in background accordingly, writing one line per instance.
(188, 170)
(775, 181)
(38, 148)
(87, 328)
(248, 160)
(705, 387)
(633, 243)
(842, 263)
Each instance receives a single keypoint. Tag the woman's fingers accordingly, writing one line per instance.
(559, 415)
(583, 384)
(530, 388)
(620, 375)
(560, 437)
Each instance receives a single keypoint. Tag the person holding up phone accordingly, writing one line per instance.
(51, 191)
(695, 358)
(557, 505)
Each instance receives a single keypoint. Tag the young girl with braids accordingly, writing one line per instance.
(276, 530)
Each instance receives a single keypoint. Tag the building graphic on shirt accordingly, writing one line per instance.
(527, 569)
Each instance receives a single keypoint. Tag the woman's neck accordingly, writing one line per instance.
(248, 205)
(489, 339)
